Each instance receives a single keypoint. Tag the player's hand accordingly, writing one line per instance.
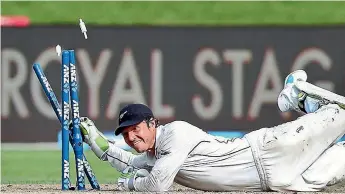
(88, 130)
(86, 126)
(98, 143)
(127, 178)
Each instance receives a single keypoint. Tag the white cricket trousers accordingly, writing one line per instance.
(301, 155)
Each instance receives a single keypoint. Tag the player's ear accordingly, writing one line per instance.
(152, 123)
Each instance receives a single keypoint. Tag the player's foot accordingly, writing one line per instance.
(291, 98)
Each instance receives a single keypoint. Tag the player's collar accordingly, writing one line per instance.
(158, 132)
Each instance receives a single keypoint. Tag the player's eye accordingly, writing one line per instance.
(125, 134)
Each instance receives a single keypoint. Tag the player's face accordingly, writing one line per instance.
(139, 137)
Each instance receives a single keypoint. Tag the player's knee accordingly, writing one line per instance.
(329, 167)
(297, 183)
(315, 180)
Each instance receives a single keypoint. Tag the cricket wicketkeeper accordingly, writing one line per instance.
(302, 155)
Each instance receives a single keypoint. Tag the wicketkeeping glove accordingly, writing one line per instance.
(127, 178)
(98, 143)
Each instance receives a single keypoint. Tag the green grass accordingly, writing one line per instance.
(180, 13)
(44, 167)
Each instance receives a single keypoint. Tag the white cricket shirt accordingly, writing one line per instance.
(191, 157)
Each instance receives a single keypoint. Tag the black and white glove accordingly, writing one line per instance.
(126, 181)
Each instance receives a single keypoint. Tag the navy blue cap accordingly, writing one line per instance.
(132, 114)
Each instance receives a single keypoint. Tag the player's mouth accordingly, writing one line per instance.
(136, 142)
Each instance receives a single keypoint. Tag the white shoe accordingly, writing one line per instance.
(291, 98)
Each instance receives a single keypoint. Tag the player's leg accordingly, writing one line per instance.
(293, 98)
(324, 96)
(290, 148)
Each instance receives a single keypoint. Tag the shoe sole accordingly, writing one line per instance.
(299, 74)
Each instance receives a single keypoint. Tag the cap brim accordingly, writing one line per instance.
(126, 124)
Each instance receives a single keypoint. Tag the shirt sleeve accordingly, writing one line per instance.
(174, 150)
(120, 159)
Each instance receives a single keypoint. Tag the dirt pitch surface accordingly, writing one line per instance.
(110, 188)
